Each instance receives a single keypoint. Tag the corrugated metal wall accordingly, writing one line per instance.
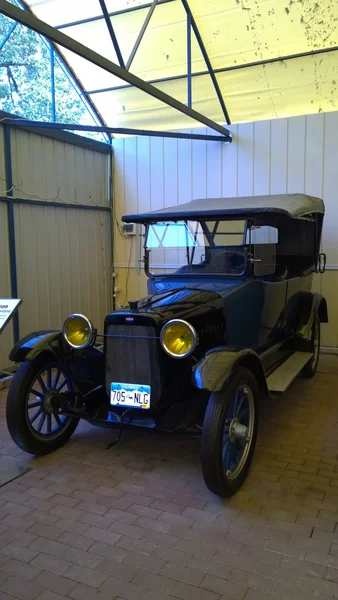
(64, 254)
(52, 170)
(287, 155)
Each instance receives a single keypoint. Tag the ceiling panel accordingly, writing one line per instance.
(235, 32)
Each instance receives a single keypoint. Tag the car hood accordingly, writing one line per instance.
(219, 286)
(180, 303)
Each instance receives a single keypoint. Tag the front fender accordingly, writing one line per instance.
(86, 367)
(216, 367)
(31, 345)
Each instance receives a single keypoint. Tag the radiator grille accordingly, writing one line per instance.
(132, 357)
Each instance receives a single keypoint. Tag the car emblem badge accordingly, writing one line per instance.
(129, 319)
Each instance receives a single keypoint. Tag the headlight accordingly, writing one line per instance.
(78, 331)
(178, 338)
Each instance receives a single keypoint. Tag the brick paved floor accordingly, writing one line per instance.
(137, 523)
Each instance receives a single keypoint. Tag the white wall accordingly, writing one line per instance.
(281, 156)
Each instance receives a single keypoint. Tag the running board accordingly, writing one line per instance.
(281, 378)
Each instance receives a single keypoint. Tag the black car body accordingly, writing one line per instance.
(230, 317)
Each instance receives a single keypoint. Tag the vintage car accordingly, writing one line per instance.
(230, 318)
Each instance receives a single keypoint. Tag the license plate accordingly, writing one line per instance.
(130, 394)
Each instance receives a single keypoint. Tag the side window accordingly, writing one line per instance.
(264, 235)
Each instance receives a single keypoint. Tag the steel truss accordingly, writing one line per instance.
(56, 36)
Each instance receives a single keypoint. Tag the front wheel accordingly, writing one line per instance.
(31, 411)
(229, 433)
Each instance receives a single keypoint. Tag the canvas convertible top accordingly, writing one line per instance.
(289, 205)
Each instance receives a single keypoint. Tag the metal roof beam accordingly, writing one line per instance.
(52, 81)
(18, 122)
(115, 13)
(112, 33)
(159, 80)
(141, 34)
(7, 36)
(58, 37)
(207, 60)
(189, 82)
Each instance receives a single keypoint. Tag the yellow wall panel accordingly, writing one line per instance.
(48, 169)
(63, 254)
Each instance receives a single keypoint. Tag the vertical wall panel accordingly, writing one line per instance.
(230, 166)
(6, 338)
(156, 173)
(119, 206)
(49, 169)
(330, 187)
(261, 158)
(184, 169)
(199, 168)
(143, 177)
(214, 169)
(63, 265)
(278, 156)
(130, 205)
(171, 158)
(288, 155)
(245, 159)
(296, 155)
(314, 151)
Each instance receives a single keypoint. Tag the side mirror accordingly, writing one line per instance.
(321, 262)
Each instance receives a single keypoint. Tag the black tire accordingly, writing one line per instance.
(310, 368)
(217, 478)
(17, 409)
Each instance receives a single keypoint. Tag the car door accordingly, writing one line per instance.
(272, 278)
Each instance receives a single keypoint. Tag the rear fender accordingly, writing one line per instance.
(214, 370)
(313, 305)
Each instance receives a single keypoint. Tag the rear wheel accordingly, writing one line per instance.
(229, 434)
(32, 417)
(310, 368)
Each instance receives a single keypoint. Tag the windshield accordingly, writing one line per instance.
(198, 248)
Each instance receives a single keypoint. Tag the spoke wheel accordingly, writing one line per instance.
(238, 431)
(33, 420)
(311, 368)
(41, 408)
(229, 433)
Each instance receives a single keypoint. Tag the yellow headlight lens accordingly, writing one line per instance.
(78, 331)
(178, 338)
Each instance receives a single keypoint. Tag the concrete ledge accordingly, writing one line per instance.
(327, 350)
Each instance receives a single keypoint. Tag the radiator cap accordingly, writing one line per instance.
(133, 304)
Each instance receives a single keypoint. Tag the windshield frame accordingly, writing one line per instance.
(210, 235)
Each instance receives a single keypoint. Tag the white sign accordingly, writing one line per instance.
(7, 307)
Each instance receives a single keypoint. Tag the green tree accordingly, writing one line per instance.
(25, 80)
